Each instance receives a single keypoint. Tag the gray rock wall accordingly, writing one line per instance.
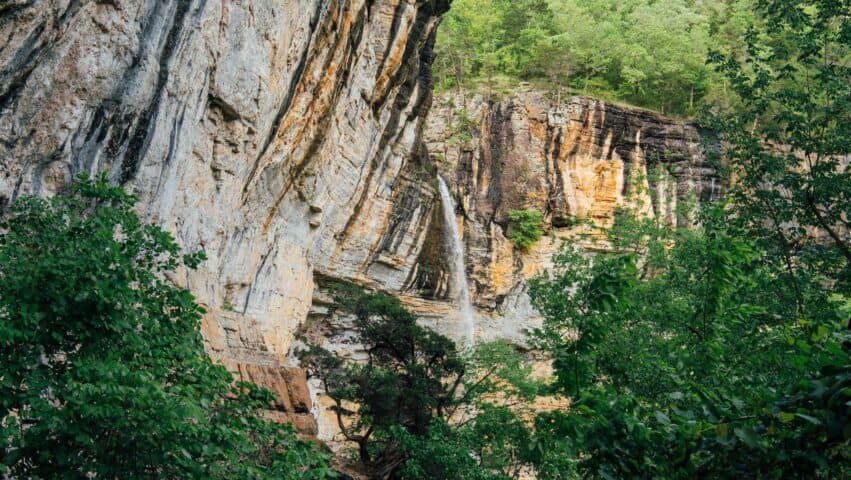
(285, 138)
(276, 135)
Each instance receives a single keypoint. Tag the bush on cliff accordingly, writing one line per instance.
(103, 373)
(525, 227)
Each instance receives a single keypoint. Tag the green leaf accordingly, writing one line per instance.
(748, 436)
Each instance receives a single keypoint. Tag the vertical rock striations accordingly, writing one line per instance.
(284, 137)
(578, 159)
(276, 135)
(581, 159)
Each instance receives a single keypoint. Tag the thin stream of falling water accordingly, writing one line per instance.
(460, 289)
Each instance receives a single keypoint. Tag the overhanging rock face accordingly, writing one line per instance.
(276, 135)
(285, 138)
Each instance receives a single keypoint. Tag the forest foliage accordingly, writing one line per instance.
(647, 53)
(103, 372)
(720, 350)
(422, 404)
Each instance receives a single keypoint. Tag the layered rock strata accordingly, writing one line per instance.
(285, 138)
(574, 159)
(280, 136)
(580, 159)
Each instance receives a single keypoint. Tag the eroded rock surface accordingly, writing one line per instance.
(285, 138)
(571, 160)
(280, 136)
(574, 159)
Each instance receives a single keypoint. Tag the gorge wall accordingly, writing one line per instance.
(576, 159)
(280, 136)
(289, 140)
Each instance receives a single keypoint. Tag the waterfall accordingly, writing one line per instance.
(458, 271)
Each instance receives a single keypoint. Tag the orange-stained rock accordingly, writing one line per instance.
(214, 338)
(304, 423)
(292, 397)
(575, 160)
(299, 394)
(271, 378)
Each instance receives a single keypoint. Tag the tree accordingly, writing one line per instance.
(411, 375)
(667, 68)
(413, 394)
(467, 43)
(790, 136)
(650, 53)
(691, 368)
(525, 24)
(102, 367)
(491, 439)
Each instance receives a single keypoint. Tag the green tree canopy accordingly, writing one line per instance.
(102, 367)
(651, 53)
(684, 363)
(417, 408)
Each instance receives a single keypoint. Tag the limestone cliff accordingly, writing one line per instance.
(280, 136)
(285, 138)
(577, 159)
(572, 159)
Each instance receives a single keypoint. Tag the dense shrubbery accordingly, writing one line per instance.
(696, 369)
(102, 367)
(525, 227)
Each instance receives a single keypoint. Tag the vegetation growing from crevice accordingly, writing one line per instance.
(462, 129)
(525, 227)
(103, 372)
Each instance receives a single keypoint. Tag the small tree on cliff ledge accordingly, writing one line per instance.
(411, 375)
(411, 392)
(102, 367)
